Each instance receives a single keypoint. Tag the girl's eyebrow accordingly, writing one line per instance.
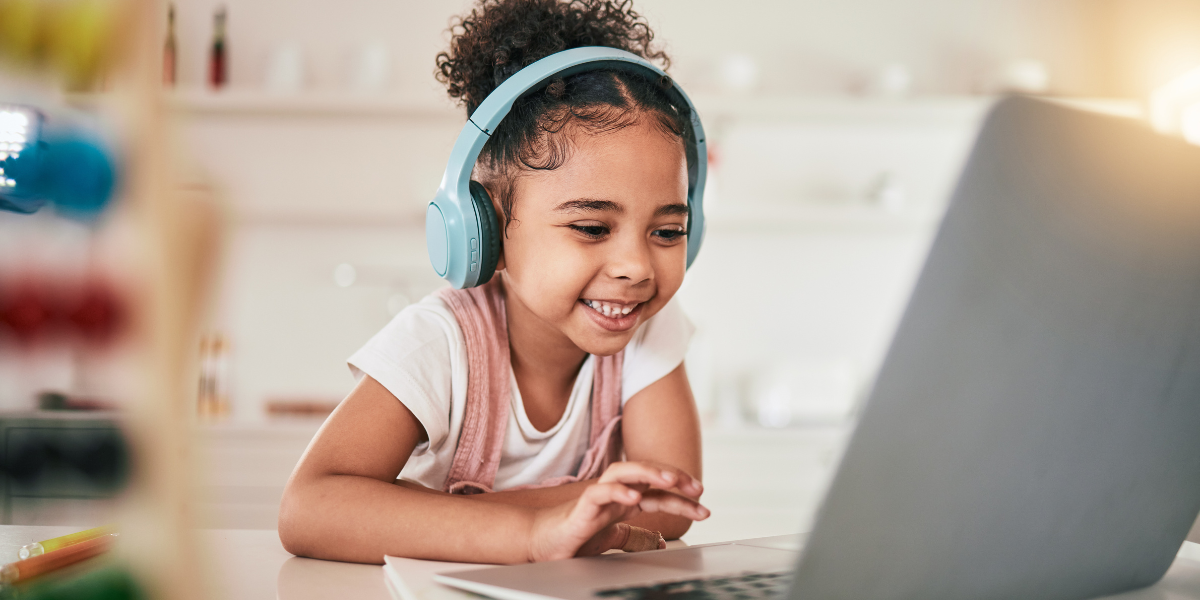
(589, 205)
(671, 210)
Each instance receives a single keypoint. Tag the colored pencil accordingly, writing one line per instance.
(29, 568)
(62, 541)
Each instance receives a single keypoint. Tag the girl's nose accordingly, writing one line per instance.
(630, 261)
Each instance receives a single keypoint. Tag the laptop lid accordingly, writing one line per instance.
(1034, 431)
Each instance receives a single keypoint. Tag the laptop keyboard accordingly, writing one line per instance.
(751, 586)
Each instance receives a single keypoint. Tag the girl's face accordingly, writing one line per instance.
(598, 245)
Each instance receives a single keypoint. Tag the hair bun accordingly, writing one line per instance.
(500, 37)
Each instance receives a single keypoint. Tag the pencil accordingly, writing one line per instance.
(23, 570)
(62, 541)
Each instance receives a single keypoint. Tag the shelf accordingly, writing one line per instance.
(250, 102)
(950, 109)
(332, 219)
(260, 103)
(917, 110)
(818, 218)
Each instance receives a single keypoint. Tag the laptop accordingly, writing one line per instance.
(1034, 430)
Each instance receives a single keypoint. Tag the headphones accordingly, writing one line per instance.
(462, 231)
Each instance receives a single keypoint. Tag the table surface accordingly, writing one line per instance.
(252, 564)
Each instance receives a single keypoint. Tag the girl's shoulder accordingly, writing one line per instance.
(419, 356)
(421, 328)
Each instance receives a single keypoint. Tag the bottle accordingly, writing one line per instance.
(217, 60)
(212, 402)
(169, 59)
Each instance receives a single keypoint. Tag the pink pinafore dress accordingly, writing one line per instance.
(481, 315)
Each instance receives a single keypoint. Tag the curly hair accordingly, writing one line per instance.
(500, 37)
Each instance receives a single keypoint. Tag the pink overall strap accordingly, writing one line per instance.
(482, 317)
(605, 445)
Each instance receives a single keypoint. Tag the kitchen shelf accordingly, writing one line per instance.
(811, 217)
(261, 103)
(948, 109)
(332, 219)
(248, 102)
(915, 110)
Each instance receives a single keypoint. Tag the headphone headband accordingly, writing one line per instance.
(454, 232)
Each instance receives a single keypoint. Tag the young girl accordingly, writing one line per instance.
(516, 386)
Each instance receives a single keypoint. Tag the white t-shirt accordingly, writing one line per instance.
(421, 358)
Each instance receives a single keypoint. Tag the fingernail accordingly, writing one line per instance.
(668, 475)
(631, 494)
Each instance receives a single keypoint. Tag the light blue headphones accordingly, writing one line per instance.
(461, 228)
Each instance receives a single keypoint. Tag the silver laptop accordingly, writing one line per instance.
(1034, 431)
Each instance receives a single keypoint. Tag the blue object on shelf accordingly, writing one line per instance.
(59, 165)
(77, 175)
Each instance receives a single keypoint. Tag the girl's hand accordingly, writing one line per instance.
(592, 524)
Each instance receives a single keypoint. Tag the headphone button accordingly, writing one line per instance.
(474, 267)
(474, 244)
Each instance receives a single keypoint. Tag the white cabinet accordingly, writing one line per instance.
(757, 482)
(243, 470)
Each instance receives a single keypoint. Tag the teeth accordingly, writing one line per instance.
(610, 309)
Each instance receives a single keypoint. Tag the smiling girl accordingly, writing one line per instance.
(487, 423)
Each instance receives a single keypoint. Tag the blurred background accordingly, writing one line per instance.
(836, 132)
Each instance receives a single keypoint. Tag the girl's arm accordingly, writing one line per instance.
(341, 502)
(661, 425)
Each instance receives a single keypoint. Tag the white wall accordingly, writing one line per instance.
(802, 265)
(951, 46)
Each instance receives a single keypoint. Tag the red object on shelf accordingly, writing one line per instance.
(218, 60)
(26, 311)
(36, 310)
(98, 316)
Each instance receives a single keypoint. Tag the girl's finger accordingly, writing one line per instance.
(653, 474)
(622, 536)
(675, 505)
(640, 540)
(609, 538)
(596, 498)
(684, 482)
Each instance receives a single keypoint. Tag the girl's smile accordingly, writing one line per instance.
(613, 315)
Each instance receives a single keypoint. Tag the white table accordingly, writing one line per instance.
(252, 564)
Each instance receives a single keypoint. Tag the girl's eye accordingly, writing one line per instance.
(669, 235)
(592, 231)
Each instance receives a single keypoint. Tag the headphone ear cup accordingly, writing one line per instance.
(489, 232)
